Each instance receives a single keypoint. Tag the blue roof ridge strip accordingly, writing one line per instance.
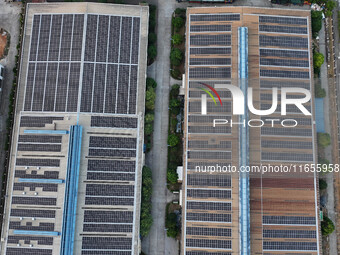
(71, 191)
(244, 217)
(56, 181)
(33, 232)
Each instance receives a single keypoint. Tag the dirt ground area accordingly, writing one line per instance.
(3, 42)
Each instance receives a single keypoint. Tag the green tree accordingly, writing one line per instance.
(146, 218)
(176, 57)
(327, 226)
(149, 117)
(150, 94)
(174, 103)
(150, 105)
(318, 59)
(152, 38)
(316, 22)
(150, 83)
(175, 73)
(152, 51)
(324, 139)
(171, 225)
(172, 176)
(330, 5)
(173, 140)
(177, 22)
(322, 184)
(174, 92)
(145, 225)
(177, 39)
(148, 129)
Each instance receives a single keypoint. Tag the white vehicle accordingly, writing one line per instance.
(2, 70)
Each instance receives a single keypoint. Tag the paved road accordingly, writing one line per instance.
(9, 20)
(328, 151)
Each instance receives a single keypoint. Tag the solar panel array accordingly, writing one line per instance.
(106, 75)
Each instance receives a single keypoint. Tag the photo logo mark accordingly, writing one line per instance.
(204, 97)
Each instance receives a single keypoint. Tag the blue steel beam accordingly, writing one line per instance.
(244, 218)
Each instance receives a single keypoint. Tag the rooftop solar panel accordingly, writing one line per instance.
(214, 17)
(283, 20)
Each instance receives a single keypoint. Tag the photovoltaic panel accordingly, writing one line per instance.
(77, 37)
(214, 17)
(73, 87)
(290, 246)
(208, 243)
(113, 142)
(286, 144)
(284, 74)
(288, 220)
(125, 45)
(86, 93)
(61, 94)
(51, 84)
(111, 165)
(41, 226)
(44, 37)
(111, 87)
(286, 132)
(199, 231)
(98, 89)
(210, 206)
(66, 37)
(208, 72)
(210, 51)
(268, 84)
(209, 180)
(91, 33)
(107, 228)
(209, 193)
(284, 62)
(55, 37)
(28, 251)
(283, 20)
(37, 162)
(212, 217)
(294, 233)
(135, 40)
(40, 138)
(206, 40)
(104, 243)
(114, 38)
(123, 90)
(197, 252)
(102, 38)
(108, 216)
(133, 89)
(112, 153)
(298, 157)
(284, 41)
(109, 201)
(33, 213)
(283, 53)
(301, 121)
(29, 86)
(283, 29)
(111, 176)
(109, 190)
(38, 88)
(210, 28)
(34, 37)
(210, 61)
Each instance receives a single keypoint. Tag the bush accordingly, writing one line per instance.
(180, 11)
(171, 225)
(322, 184)
(177, 22)
(177, 39)
(318, 59)
(174, 92)
(150, 96)
(152, 51)
(152, 38)
(175, 73)
(327, 226)
(319, 91)
(173, 140)
(146, 218)
(172, 176)
(176, 57)
(148, 129)
(149, 118)
(316, 22)
(329, 7)
(174, 103)
(324, 139)
(150, 83)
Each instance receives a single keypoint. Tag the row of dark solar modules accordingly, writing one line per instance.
(106, 252)
(209, 129)
(118, 228)
(33, 213)
(210, 206)
(289, 220)
(198, 84)
(206, 118)
(210, 217)
(112, 39)
(284, 41)
(198, 93)
(27, 251)
(59, 83)
(210, 51)
(197, 252)
(209, 180)
(215, 17)
(33, 186)
(111, 165)
(301, 121)
(34, 174)
(286, 233)
(39, 147)
(34, 121)
(112, 153)
(291, 109)
(200, 231)
(284, 62)
(106, 243)
(209, 193)
(109, 88)
(209, 243)
(108, 216)
(209, 72)
(210, 61)
(207, 39)
(109, 190)
(193, 164)
(290, 246)
(284, 53)
(293, 156)
(111, 176)
(283, 29)
(46, 201)
(269, 84)
(286, 144)
(209, 155)
(284, 74)
(112, 142)
(113, 122)
(198, 144)
(40, 138)
(102, 201)
(28, 239)
(283, 20)
(273, 131)
(43, 226)
(210, 28)
(57, 37)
